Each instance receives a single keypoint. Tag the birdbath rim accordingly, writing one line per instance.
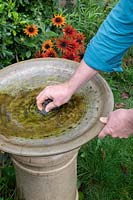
(65, 142)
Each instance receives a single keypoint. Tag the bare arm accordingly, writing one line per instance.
(61, 93)
(81, 76)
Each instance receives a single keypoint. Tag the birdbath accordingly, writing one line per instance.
(44, 150)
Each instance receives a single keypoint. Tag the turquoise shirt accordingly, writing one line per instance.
(114, 37)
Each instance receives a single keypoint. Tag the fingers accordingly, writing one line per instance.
(115, 125)
(104, 120)
(126, 136)
(50, 106)
(107, 130)
(103, 133)
(41, 95)
(40, 100)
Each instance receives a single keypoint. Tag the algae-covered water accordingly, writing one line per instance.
(19, 116)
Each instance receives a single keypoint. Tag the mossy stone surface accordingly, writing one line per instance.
(19, 116)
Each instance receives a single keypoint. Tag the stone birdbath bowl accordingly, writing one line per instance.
(45, 155)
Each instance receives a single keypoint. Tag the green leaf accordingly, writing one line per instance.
(2, 6)
(26, 1)
(29, 43)
(9, 14)
(23, 22)
(51, 34)
(15, 15)
(81, 196)
(28, 54)
(14, 32)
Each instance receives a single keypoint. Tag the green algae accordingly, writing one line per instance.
(19, 116)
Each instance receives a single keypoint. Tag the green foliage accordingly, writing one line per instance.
(87, 16)
(7, 179)
(15, 46)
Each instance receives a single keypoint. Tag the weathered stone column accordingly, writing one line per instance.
(47, 178)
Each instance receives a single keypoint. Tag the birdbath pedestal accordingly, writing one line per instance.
(46, 168)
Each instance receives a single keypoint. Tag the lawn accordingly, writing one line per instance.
(104, 166)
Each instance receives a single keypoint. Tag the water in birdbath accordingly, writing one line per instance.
(19, 115)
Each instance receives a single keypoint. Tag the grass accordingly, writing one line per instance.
(88, 15)
(7, 178)
(104, 169)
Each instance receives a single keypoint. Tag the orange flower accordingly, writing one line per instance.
(72, 56)
(62, 44)
(31, 30)
(81, 52)
(69, 31)
(73, 45)
(47, 45)
(66, 44)
(79, 37)
(49, 53)
(58, 20)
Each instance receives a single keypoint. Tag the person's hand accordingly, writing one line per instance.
(118, 124)
(60, 94)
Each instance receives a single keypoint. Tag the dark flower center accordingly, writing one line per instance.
(63, 44)
(47, 46)
(69, 31)
(79, 41)
(31, 29)
(58, 19)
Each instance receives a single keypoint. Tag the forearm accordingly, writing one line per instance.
(81, 76)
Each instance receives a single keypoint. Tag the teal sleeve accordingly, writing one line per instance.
(114, 37)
